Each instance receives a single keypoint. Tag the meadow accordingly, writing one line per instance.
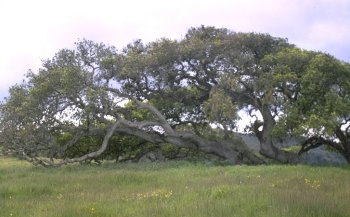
(173, 189)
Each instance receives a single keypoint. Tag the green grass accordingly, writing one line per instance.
(173, 189)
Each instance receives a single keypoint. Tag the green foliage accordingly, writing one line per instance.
(204, 78)
(324, 99)
(121, 147)
(85, 145)
(220, 109)
(316, 102)
(138, 114)
(170, 151)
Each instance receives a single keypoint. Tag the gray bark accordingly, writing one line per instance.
(265, 137)
(233, 153)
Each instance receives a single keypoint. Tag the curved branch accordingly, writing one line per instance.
(163, 122)
(315, 142)
(90, 155)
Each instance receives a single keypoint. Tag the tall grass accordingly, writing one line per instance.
(173, 189)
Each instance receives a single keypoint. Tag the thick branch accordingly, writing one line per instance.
(315, 142)
(90, 155)
(163, 122)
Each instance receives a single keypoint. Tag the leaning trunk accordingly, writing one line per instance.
(346, 155)
(267, 148)
(233, 153)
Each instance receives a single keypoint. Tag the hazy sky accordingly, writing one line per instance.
(32, 30)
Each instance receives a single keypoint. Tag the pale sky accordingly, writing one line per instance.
(32, 30)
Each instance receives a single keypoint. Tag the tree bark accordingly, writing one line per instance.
(317, 141)
(234, 153)
(267, 148)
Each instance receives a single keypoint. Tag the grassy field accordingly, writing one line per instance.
(173, 189)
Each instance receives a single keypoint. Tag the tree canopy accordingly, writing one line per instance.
(173, 92)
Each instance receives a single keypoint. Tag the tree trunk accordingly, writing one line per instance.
(234, 153)
(267, 147)
(226, 149)
(346, 155)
